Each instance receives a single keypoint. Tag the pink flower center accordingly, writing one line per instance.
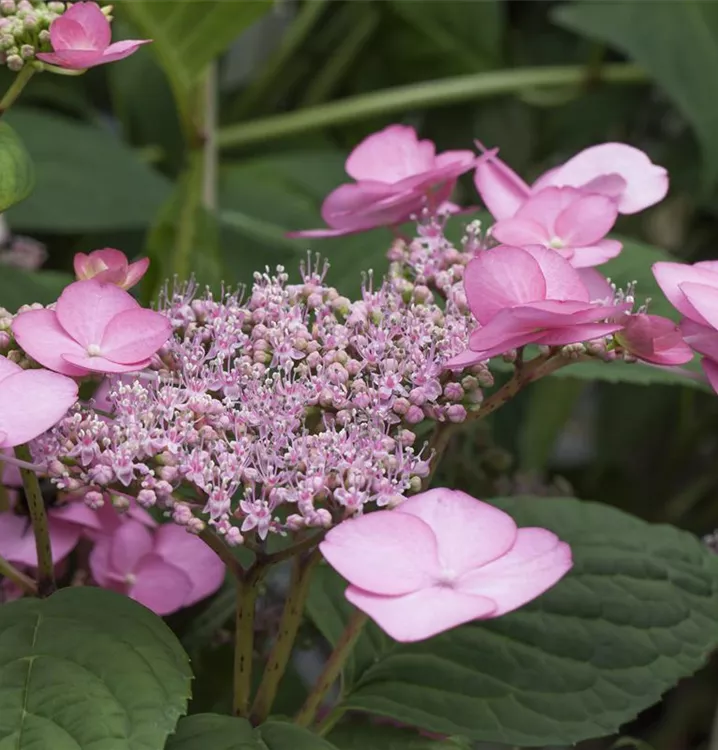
(446, 579)
(557, 243)
(94, 350)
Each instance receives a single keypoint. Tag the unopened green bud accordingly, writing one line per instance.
(55, 7)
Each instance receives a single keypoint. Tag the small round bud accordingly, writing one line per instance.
(27, 51)
(15, 63)
(94, 499)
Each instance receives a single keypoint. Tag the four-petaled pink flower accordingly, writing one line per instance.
(31, 402)
(568, 220)
(165, 571)
(110, 266)
(654, 339)
(396, 175)
(81, 38)
(442, 559)
(693, 291)
(529, 295)
(621, 172)
(94, 327)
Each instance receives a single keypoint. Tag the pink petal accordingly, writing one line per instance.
(463, 360)
(599, 290)
(93, 22)
(519, 232)
(8, 368)
(646, 183)
(492, 343)
(586, 220)
(160, 586)
(595, 255)
(78, 513)
(468, 532)
(121, 50)
(537, 561)
(577, 333)
(560, 313)
(501, 189)
(100, 566)
(421, 614)
(610, 185)
(191, 555)
(135, 335)
(101, 364)
(390, 155)
(72, 59)
(135, 272)
(31, 402)
(366, 205)
(545, 206)
(562, 280)
(704, 299)
(40, 334)
(502, 277)
(16, 544)
(130, 543)
(655, 339)
(107, 265)
(701, 338)
(403, 552)
(708, 265)
(86, 308)
(670, 277)
(710, 368)
(319, 233)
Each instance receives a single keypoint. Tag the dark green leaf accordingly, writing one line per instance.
(637, 373)
(88, 669)
(675, 42)
(636, 614)
(356, 736)
(17, 175)
(87, 179)
(19, 287)
(217, 732)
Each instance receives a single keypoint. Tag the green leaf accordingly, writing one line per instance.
(638, 373)
(676, 43)
(87, 179)
(189, 34)
(636, 614)
(17, 175)
(356, 736)
(217, 732)
(88, 669)
(19, 287)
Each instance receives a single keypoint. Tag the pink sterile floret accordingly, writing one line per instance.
(655, 339)
(110, 266)
(442, 559)
(623, 173)
(81, 38)
(396, 175)
(529, 295)
(31, 402)
(95, 327)
(165, 570)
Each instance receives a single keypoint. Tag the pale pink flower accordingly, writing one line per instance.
(528, 295)
(568, 220)
(165, 571)
(94, 327)
(110, 266)
(442, 559)
(31, 402)
(397, 175)
(621, 172)
(81, 38)
(693, 291)
(654, 339)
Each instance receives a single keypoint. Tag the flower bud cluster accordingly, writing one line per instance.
(25, 30)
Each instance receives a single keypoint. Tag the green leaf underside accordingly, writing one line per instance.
(636, 614)
(365, 736)
(17, 175)
(88, 669)
(216, 732)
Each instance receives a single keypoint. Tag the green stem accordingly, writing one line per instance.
(8, 570)
(224, 552)
(209, 146)
(16, 87)
(427, 94)
(288, 628)
(244, 641)
(332, 669)
(36, 506)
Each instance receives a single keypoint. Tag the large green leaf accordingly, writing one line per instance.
(217, 732)
(19, 287)
(364, 736)
(17, 175)
(87, 179)
(636, 614)
(88, 669)
(676, 42)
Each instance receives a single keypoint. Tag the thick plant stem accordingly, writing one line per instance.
(16, 87)
(8, 570)
(36, 506)
(288, 627)
(332, 669)
(244, 643)
(424, 95)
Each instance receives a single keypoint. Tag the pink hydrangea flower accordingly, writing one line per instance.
(654, 339)
(396, 175)
(693, 291)
(31, 402)
(165, 571)
(442, 559)
(94, 327)
(81, 38)
(110, 266)
(568, 220)
(529, 295)
(621, 172)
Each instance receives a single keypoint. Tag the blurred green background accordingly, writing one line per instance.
(206, 147)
